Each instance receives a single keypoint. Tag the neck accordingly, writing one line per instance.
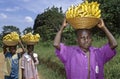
(29, 52)
(13, 54)
(85, 50)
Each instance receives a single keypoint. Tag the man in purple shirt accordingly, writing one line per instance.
(85, 61)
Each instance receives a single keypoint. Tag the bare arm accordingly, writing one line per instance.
(33, 58)
(37, 61)
(5, 49)
(111, 39)
(23, 76)
(58, 35)
(22, 47)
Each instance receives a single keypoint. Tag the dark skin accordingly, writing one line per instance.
(30, 49)
(13, 49)
(84, 37)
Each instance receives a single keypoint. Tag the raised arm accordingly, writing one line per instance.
(111, 39)
(5, 49)
(23, 48)
(58, 35)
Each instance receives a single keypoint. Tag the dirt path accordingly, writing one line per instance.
(40, 76)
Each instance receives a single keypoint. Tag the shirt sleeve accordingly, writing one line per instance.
(63, 53)
(107, 52)
(23, 62)
(6, 54)
(36, 58)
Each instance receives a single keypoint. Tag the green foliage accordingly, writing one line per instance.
(52, 68)
(110, 14)
(8, 29)
(48, 22)
(27, 30)
(69, 36)
(48, 73)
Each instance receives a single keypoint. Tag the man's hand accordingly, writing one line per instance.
(58, 35)
(4, 46)
(31, 54)
(112, 41)
(101, 23)
(64, 24)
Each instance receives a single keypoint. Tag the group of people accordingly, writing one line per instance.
(21, 62)
(81, 62)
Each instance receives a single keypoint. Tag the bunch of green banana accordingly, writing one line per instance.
(13, 36)
(84, 9)
(29, 37)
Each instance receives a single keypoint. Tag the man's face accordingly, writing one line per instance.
(30, 48)
(12, 49)
(84, 39)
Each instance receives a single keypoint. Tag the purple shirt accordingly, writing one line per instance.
(76, 61)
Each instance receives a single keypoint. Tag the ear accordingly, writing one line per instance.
(76, 40)
(91, 39)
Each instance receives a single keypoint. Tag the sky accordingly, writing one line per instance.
(22, 13)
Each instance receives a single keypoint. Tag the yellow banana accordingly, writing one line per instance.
(84, 10)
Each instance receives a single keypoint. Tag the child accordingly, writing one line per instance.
(85, 61)
(29, 64)
(12, 61)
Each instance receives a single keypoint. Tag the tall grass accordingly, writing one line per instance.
(111, 69)
(52, 68)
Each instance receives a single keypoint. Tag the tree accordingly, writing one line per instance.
(27, 30)
(48, 22)
(8, 29)
(111, 14)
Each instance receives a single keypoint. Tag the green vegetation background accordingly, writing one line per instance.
(51, 67)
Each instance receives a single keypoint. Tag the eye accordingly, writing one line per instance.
(83, 38)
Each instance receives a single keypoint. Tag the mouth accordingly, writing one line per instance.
(86, 45)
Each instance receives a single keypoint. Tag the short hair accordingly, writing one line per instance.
(30, 46)
(81, 30)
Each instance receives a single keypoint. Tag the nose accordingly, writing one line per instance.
(86, 40)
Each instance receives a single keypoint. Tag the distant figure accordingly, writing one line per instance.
(12, 61)
(29, 64)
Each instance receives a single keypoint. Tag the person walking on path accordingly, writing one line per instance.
(85, 61)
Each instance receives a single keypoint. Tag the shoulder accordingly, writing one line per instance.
(94, 48)
(62, 45)
(8, 54)
(104, 47)
(25, 55)
(35, 54)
